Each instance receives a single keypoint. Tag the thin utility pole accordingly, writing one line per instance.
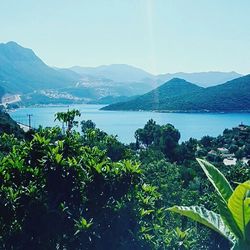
(29, 115)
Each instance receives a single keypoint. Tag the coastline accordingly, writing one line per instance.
(182, 111)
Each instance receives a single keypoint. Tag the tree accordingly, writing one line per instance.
(146, 136)
(168, 140)
(164, 138)
(239, 154)
(233, 148)
(68, 118)
(85, 125)
(207, 141)
(233, 220)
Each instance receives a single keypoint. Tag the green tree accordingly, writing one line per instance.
(207, 141)
(146, 136)
(239, 154)
(68, 118)
(86, 125)
(164, 138)
(168, 140)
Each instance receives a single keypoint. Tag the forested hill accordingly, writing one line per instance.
(160, 97)
(9, 126)
(230, 96)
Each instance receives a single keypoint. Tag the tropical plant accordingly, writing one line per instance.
(86, 125)
(68, 118)
(233, 220)
(181, 240)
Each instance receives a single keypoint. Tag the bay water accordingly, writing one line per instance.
(125, 123)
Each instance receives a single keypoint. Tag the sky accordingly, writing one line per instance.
(159, 36)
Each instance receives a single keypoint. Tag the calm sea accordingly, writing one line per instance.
(125, 123)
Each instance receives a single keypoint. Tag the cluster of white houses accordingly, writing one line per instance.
(229, 159)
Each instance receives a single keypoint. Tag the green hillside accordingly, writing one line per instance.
(159, 98)
(179, 95)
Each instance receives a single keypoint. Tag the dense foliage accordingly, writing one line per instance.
(233, 220)
(69, 190)
(57, 193)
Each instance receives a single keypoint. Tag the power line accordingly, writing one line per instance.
(29, 115)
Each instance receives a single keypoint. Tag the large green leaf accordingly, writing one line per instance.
(218, 180)
(247, 228)
(205, 217)
(228, 218)
(241, 245)
(239, 205)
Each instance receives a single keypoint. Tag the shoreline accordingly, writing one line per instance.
(135, 110)
(183, 111)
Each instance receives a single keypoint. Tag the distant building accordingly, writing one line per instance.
(242, 127)
(212, 152)
(230, 161)
(223, 150)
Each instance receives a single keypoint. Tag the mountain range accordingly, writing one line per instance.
(203, 79)
(23, 72)
(179, 95)
(127, 73)
(114, 72)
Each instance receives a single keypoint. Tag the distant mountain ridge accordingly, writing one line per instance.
(22, 71)
(127, 73)
(232, 96)
(203, 79)
(114, 72)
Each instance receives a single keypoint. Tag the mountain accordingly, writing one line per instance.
(114, 72)
(154, 100)
(21, 71)
(112, 81)
(127, 73)
(68, 74)
(231, 96)
(136, 81)
(204, 79)
(107, 87)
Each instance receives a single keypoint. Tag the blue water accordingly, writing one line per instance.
(125, 123)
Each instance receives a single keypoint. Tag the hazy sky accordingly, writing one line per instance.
(157, 35)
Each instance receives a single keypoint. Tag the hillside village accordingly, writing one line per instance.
(231, 147)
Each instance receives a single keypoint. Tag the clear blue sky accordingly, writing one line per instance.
(157, 35)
